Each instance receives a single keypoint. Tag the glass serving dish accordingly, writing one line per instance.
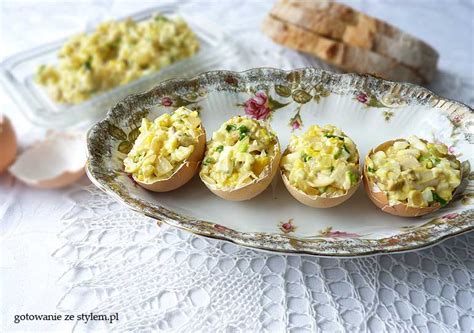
(17, 74)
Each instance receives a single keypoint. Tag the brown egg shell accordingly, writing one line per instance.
(8, 143)
(380, 199)
(317, 201)
(184, 173)
(253, 189)
(43, 152)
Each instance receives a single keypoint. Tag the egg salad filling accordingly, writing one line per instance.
(114, 54)
(163, 145)
(240, 151)
(321, 162)
(414, 172)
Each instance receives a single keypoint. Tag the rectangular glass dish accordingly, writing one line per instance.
(17, 75)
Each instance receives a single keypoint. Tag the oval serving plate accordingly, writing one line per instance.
(368, 109)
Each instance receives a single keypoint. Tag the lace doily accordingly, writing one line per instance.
(165, 279)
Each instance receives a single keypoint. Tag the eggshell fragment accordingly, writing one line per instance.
(318, 201)
(380, 199)
(56, 162)
(254, 188)
(184, 173)
(8, 143)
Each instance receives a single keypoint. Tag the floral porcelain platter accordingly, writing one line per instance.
(368, 109)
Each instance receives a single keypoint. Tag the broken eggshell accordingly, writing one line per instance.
(183, 173)
(380, 199)
(8, 143)
(55, 162)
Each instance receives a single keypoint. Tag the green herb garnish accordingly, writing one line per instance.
(159, 18)
(230, 127)
(333, 136)
(243, 130)
(209, 160)
(346, 149)
(220, 148)
(305, 157)
(88, 64)
(369, 169)
(437, 198)
(338, 154)
(353, 177)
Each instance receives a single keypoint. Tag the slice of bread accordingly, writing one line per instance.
(344, 24)
(347, 57)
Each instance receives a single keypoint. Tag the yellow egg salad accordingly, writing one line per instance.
(163, 145)
(239, 153)
(414, 172)
(321, 162)
(114, 54)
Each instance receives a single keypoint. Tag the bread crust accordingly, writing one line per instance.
(347, 57)
(349, 26)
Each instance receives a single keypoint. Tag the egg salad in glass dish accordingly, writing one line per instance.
(168, 151)
(320, 168)
(411, 177)
(116, 53)
(241, 159)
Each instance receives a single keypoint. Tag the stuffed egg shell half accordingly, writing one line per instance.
(168, 151)
(320, 168)
(241, 159)
(411, 177)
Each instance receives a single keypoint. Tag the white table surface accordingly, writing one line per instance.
(29, 217)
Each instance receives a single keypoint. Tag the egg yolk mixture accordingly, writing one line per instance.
(415, 173)
(114, 54)
(239, 153)
(163, 145)
(321, 162)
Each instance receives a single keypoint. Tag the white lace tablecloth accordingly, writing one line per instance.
(106, 259)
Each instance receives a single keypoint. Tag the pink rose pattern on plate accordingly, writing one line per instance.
(257, 107)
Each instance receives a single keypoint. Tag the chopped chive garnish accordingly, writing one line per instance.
(243, 129)
(369, 169)
(161, 18)
(353, 177)
(333, 136)
(208, 161)
(220, 149)
(338, 154)
(305, 157)
(437, 198)
(230, 127)
(88, 64)
(345, 148)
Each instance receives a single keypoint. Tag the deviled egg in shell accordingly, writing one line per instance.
(168, 151)
(241, 159)
(320, 168)
(411, 177)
